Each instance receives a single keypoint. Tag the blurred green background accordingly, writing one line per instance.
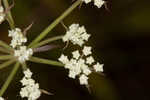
(120, 40)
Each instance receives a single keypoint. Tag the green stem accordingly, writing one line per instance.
(56, 22)
(47, 41)
(7, 63)
(45, 61)
(3, 44)
(4, 50)
(5, 57)
(9, 16)
(9, 79)
(24, 66)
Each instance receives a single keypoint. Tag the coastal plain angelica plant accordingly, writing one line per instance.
(80, 65)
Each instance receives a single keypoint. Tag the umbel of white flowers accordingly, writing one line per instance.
(80, 64)
(97, 3)
(2, 14)
(1, 98)
(31, 89)
(17, 37)
(17, 42)
(76, 34)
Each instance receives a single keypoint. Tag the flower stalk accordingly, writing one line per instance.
(9, 16)
(56, 22)
(44, 42)
(46, 61)
(9, 79)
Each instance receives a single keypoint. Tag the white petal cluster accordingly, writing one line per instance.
(79, 64)
(76, 34)
(1, 98)
(87, 1)
(17, 37)
(2, 14)
(31, 89)
(97, 3)
(23, 53)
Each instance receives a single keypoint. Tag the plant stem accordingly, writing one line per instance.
(3, 44)
(46, 41)
(9, 16)
(4, 50)
(45, 61)
(7, 63)
(56, 22)
(5, 57)
(9, 79)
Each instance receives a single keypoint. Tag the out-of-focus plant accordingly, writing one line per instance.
(80, 65)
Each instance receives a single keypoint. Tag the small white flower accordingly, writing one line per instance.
(64, 59)
(87, 1)
(2, 15)
(1, 98)
(86, 70)
(99, 3)
(76, 54)
(17, 37)
(76, 34)
(87, 50)
(83, 79)
(90, 60)
(23, 53)
(31, 89)
(27, 73)
(98, 67)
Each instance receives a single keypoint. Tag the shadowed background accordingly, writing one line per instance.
(120, 40)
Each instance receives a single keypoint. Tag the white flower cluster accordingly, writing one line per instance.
(1, 98)
(76, 34)
(17, 42)
(23, 53)
(2, 14)
(31, 89)
(17, 37)
(97, 3)
(79, 64)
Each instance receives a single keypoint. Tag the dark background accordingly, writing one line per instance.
(120, 40)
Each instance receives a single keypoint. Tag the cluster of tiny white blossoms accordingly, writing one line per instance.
(2, 14)
(1, 98)
(17, 42)
(76, 34)
(31, 89)
(97, 3)
(80, 64)
(17, 37)
(23, 53)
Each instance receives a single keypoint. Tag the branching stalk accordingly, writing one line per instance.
(45, 61)
(56, 22)
(9, 79)
(44, 42)
(7, 63)
(9, 16)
